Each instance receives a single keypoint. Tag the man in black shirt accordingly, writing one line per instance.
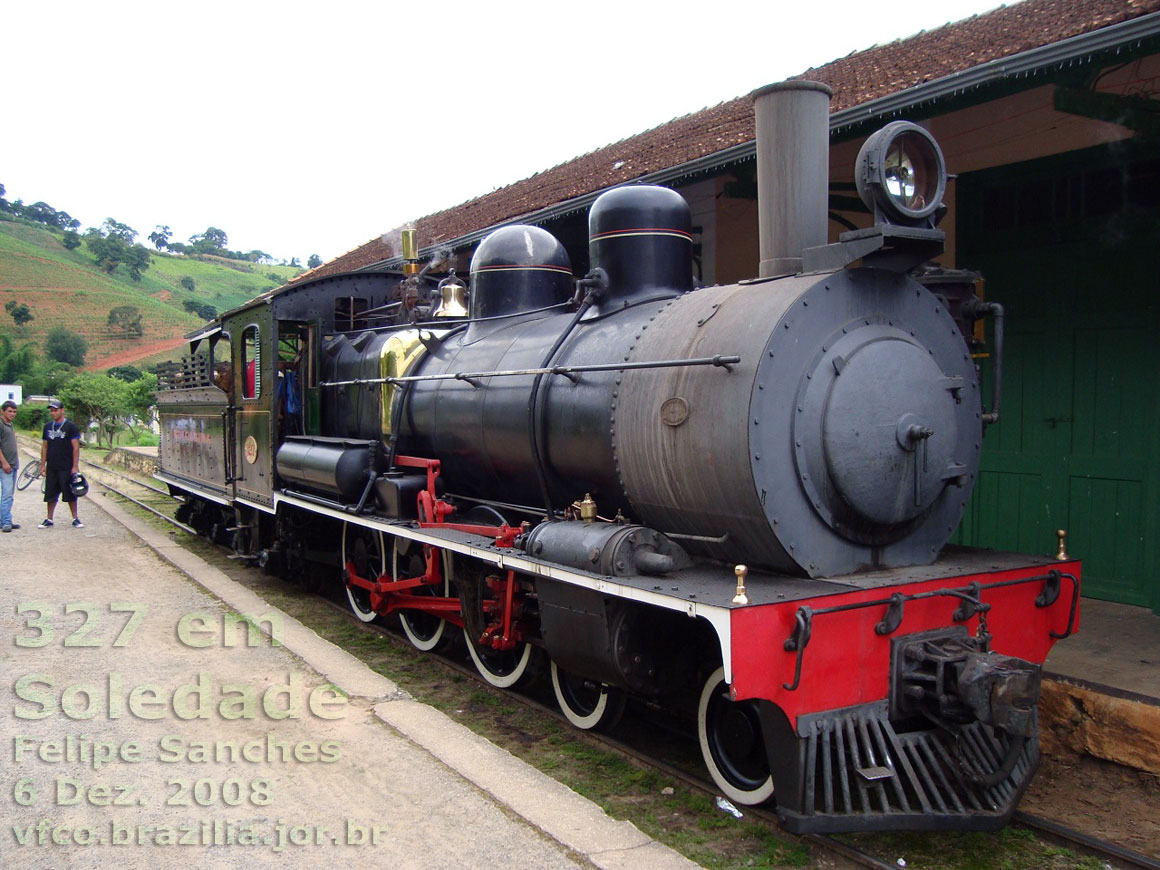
(60, 456)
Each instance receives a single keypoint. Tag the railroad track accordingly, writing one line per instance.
(1111, 854)
(108, 487)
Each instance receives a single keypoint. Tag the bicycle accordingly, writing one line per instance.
(32, 471)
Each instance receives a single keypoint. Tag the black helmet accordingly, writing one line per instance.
(78, 485)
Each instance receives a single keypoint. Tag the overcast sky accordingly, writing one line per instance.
(308, 128)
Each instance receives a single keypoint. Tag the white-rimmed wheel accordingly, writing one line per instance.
(502, 668)
(425, 630)
(732, 744)
(587, 704)
(362, 548)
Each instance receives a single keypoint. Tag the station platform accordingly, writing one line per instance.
(1118, 646)
(1101, 692)
(147, 726)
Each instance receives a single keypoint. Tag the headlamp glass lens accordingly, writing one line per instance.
(910, 172)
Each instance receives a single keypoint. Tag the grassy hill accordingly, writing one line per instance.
(66, 288)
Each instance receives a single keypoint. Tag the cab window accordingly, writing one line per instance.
(223, 364)
(251, 363)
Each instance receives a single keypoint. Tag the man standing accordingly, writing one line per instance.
(60, 457)
(9, 461)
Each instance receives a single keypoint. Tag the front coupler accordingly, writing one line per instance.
(954, 747)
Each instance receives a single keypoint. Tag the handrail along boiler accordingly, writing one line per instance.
(733, 498)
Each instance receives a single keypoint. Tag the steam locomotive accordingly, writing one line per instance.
(735, 497)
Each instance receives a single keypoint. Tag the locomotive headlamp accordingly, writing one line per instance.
(901, 175)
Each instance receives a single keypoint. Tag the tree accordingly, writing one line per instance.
(108, 251)
(202, 309)
(96, 397)
(294, 262)
(136, 259)
(45, 377)
(160, 237)
(14, 361)
(314, 262)
(126, 319)
(20, 313)
(141, 400)
(30, 416)
(211, 241)
(43, 213)
(108, 401)
(40, 212)
(187, 283)
(125, 373)
(64, 345)
(71, 240)
(114, 228)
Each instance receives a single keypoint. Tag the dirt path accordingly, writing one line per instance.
(1100, 798)
(128, 357)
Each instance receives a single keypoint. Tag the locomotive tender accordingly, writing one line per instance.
(733, 497)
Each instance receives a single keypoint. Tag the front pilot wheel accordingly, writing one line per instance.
(732, 744)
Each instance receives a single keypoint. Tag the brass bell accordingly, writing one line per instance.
(452, 297)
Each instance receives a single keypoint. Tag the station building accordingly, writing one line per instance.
(1048, 113)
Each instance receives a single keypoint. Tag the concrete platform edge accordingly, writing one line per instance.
(551, 807)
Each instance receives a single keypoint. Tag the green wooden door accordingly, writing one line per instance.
(1077, 445)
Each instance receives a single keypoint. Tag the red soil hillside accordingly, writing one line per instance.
(129, 356)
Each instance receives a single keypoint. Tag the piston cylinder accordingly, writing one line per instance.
(602, 548)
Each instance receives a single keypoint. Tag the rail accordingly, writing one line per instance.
(110, 488)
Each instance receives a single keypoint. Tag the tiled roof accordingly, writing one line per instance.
(857, 78)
